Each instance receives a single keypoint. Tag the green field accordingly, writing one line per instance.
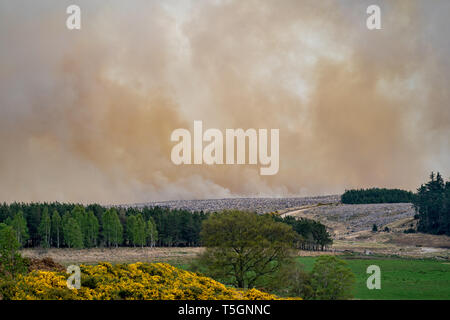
(400, 278)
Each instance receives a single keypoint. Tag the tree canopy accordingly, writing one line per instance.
(376, 195)
(242, 247)
(156, 226)
(433, 206)
(313, 234)
(332, 279)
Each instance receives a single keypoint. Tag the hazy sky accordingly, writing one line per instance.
(87, 115)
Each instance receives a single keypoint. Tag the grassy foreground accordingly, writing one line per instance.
(406, 279)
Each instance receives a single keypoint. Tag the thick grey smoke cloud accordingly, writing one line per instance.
(87, 115)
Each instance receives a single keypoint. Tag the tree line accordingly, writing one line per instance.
(313, 235)
(433, 206)
(62, 225)
(77, 226)
(376, 195)
(431, 202)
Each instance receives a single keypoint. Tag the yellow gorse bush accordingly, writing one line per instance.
(140, 281)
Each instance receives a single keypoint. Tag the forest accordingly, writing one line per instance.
(63, 225)
(376, 195)
(77, 226)
(431, 202)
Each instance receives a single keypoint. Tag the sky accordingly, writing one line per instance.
(86, 115)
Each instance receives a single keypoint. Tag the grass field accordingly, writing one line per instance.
(401, 278)
(407, 279)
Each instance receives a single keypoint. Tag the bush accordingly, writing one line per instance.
(7, 289)
(157, 281)
(332, 279)
(291, 281)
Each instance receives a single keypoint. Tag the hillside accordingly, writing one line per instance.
(260, 205)
(351, 227)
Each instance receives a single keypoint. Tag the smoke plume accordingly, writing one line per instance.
(86, 116)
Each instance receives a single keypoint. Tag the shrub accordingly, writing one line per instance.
(291, 281)
(332, 279)
(138, 281)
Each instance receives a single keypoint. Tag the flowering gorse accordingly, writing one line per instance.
(138, 281)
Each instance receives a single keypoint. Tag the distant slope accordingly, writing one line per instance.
(260, 205)
(349, 218)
